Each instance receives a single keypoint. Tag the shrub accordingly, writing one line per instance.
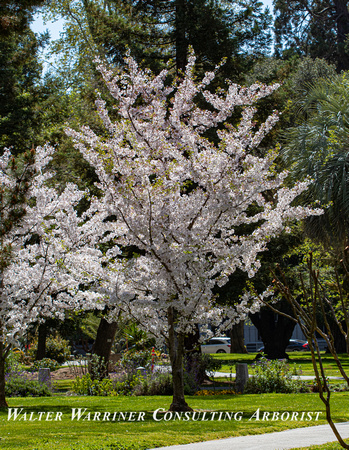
(12, 361)
(121, 385)
(56, 348)
(155, 384)
(86, 386)
(125, 384)
(131, 360)
(195, 370)
(274, 376)
(19, 386)
(46, 362)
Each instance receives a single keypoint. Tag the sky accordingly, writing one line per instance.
(54, 28)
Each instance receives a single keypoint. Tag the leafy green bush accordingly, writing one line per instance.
(19, 386)
(57, 348)
(155, 384)
(274, 376)
(12, 361)
(86, 386)
(126, 384)
(45, 363)
(131, 360)
(16, 383)
(120, 386)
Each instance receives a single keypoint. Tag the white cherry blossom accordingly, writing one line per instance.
(183, 184)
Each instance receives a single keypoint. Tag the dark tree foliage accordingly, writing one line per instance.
(15, 16)
(19, 77)
(274, 331)
(157, 31)
(319, 148)
(20, 74)
(316, 28)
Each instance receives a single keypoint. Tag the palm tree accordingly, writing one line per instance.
(319, 148)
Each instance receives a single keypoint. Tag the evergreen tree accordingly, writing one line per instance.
(20, 74)
(16, 16)
(319, 148)
(157, 31)
(317, 28)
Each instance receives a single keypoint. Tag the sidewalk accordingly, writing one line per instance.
(227, 374)
(301, 377)
(281, 440)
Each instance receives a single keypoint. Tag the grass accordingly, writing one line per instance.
(301, 360)
(62, 385)
(328, 446)
(93, 435)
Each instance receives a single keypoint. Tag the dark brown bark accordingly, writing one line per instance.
(102, 347)
(176, 351)
(42, 335)
(274, 329)
(181, 40)
(3, 403)
(192, 351)
(237, 338)
(342, 22)
(340, 343)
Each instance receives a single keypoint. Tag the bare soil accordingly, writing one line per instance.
(64, 373)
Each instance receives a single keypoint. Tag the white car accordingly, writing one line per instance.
(217, 345)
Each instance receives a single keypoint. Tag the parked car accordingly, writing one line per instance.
(294, 345)
(81, 347)
(217, 345)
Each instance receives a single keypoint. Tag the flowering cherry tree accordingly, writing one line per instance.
(50, 253)
(197, 208)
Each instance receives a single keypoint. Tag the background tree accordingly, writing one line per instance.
(20, 73)
(16, 16)
(283, 251)
(313, 28)
(296, 76)
(239, 32)
(315, 297)
(156, 32)
(319, 148)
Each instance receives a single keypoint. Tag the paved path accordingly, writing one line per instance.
(228, 374)
(281, 440)
(301, 377)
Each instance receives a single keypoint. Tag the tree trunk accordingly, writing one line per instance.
(342, 22)
(340, 343)
(42, 334)
(237, 338)
(192, 351)
(180, 36)
(3, 403)
(102, 347)
(274, 329)
(176, 350)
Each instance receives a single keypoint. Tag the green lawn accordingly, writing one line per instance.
(90, 434)
(329, 446)
(300, 360)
